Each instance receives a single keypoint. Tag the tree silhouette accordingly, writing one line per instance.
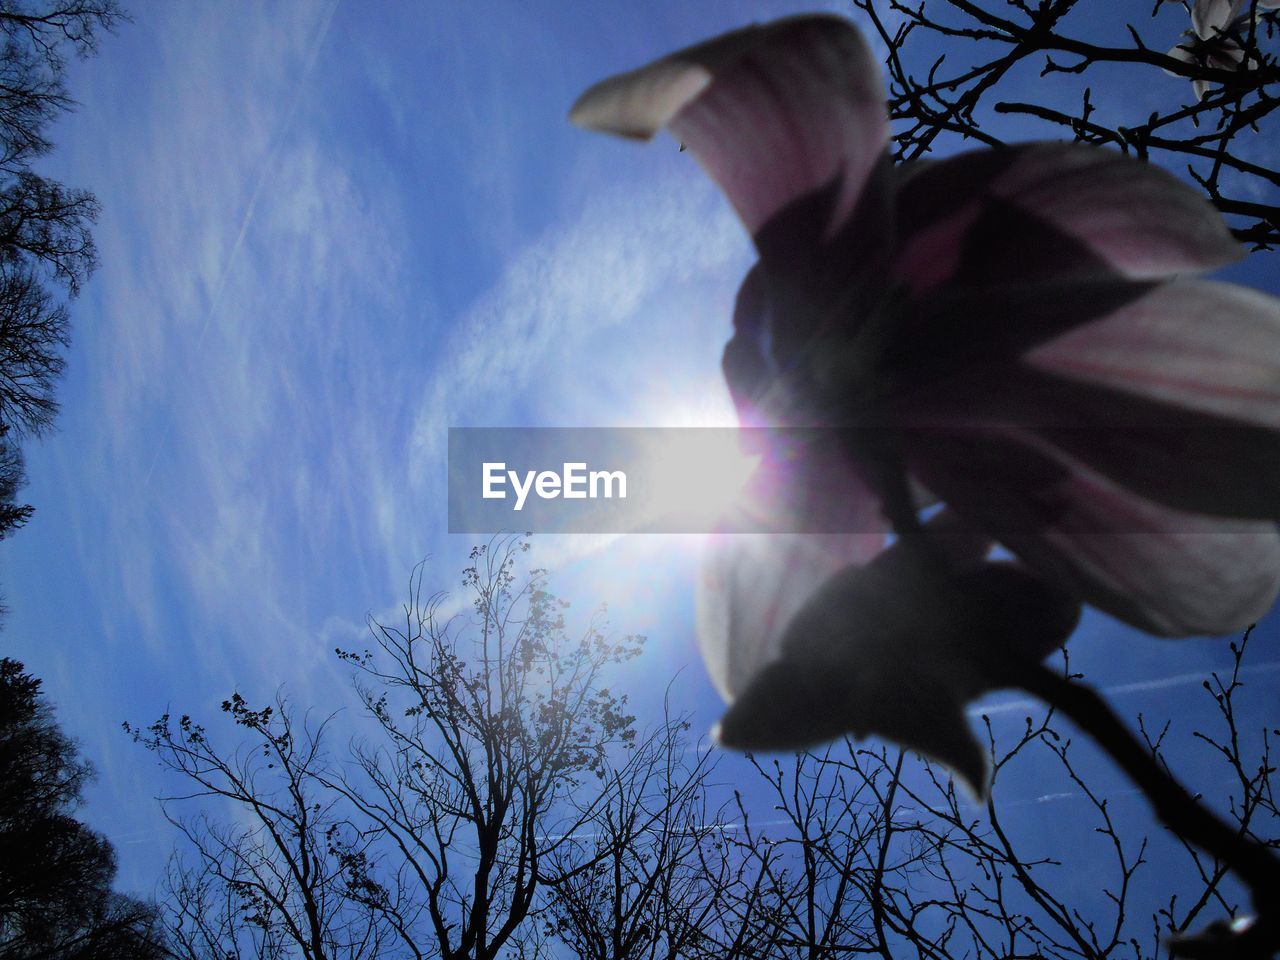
(504, 804)
(56, 901)
(653, 872)
(866, 852)
(12, 478)
(490, 746)
(276, 882)
(954, 66)
(46, 247)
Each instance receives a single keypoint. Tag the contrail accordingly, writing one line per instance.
(268, 167)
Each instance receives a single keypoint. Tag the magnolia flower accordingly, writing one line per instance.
(1009, 331)
(1218, 53)
(1214, 40)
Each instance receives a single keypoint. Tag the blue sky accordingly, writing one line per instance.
(331, 231)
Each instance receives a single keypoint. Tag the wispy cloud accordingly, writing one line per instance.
(548, 337)
(616, 317)
(242, 259)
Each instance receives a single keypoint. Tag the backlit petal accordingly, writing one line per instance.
(1164, 571)
(751, 584)
(1173, 454)
(1172, 390)
(1047, 209)
(1211, 347)
(774, 112)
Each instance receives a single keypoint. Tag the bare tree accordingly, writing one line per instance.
(492, 741)
(33, 331)
(13, 477)
(46, 245)
(489, 722)
(867, 854)
(824, 853)
(503, 804)
(954, 67)
(654, 873)
(276, 880)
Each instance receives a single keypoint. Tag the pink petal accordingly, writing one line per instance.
(1163, 571)
(1176, 395)
(1171, 391)
(774, 112)
(1179, 457)
(1051, 209)
(789, 119)
(752, 584)
(1203, 346)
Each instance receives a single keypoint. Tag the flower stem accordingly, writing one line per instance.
(1252, 861)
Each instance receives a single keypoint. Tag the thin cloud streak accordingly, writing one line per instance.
(264, 172)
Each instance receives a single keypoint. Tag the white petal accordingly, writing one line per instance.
(1212, 17)
(1182, 53)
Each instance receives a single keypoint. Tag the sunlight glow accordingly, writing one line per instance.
(699, 474)
(701, 467)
